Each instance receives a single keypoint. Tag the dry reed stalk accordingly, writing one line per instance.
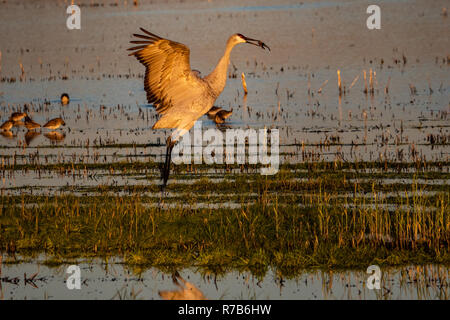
(386, 89)
(322, 86)
(22, 76)
(309, 84)
(375, 80)
(354, 81)
(244, 84)
(365, 82)
(339, 82)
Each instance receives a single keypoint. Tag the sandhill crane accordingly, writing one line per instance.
(54, 124)
(180, 95)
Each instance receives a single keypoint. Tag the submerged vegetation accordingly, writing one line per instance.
(327, 218)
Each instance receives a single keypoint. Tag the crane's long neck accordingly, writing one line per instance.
(218, 77)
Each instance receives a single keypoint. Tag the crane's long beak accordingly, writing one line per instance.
(257, 43)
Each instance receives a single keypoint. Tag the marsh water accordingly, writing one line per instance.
(112, 280)
(294, 88)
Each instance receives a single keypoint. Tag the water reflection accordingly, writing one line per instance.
(100, 280)
(55, 136)
(30, 136)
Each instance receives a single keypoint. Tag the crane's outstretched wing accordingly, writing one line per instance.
(170, 84)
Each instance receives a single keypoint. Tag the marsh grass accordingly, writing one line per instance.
(280, 223)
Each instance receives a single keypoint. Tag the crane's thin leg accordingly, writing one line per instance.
(166, 169)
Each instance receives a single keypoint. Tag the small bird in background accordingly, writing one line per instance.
(222, 115)
(65, 99)
(7, 125)
(54, 124)
(17, 116)
(30, 124)
(187, 291)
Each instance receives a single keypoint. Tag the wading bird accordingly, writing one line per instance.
(30, 124)
(54, 124)
(7, 125)
(7, 134)
(186, 290)
(218, 114)
(17, 116)
(212, 112)
(18, 123)
(180, 95)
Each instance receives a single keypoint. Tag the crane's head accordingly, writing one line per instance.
(239, 38)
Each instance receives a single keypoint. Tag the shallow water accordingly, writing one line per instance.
(113, 280)
(108, 104)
